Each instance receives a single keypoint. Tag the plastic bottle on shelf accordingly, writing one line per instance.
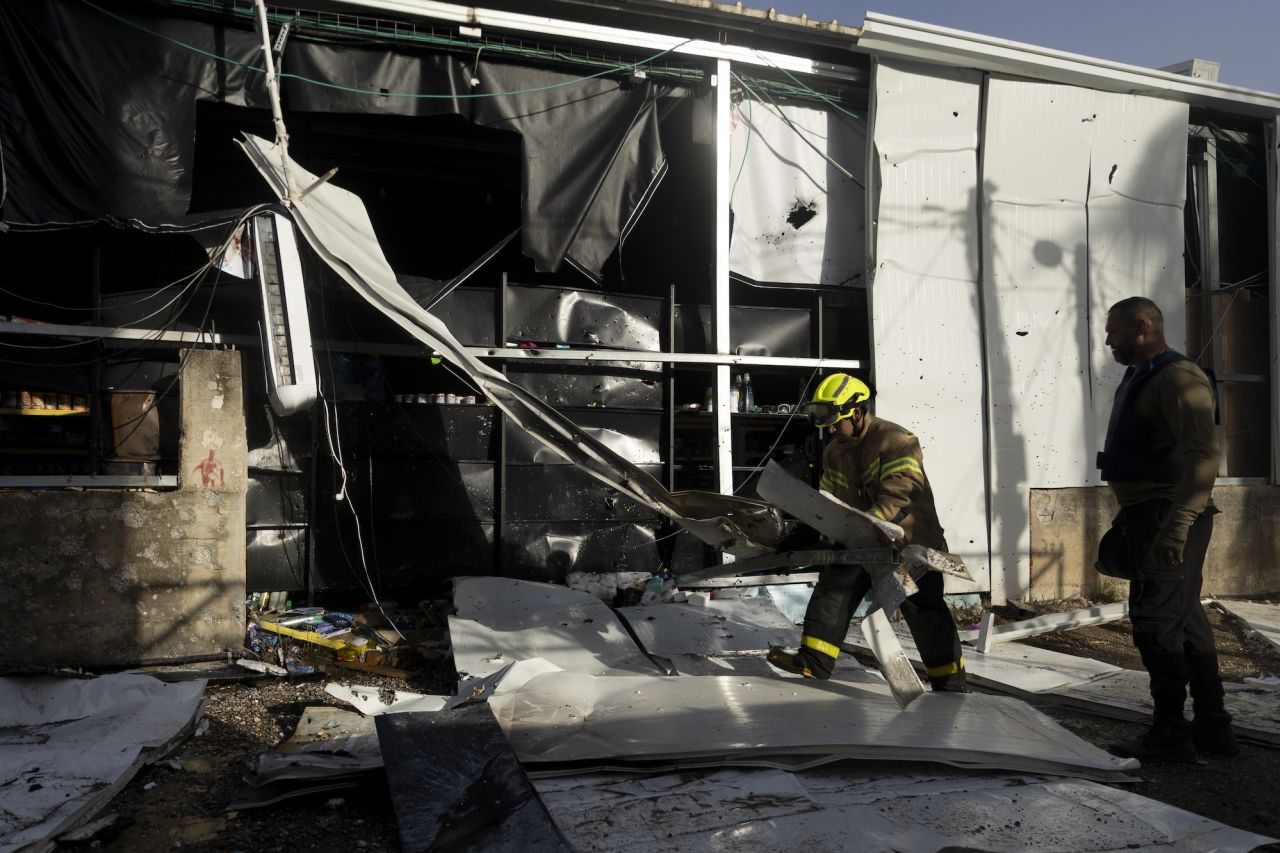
(748, 396)
(735, 395)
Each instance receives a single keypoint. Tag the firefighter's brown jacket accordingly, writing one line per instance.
(880, 469)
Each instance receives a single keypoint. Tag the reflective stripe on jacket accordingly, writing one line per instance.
(881, 471)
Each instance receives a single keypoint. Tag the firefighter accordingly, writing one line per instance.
(876, 466)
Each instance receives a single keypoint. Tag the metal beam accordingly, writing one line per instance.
(475, 16)
(160, 336)
(722, 116)
(19, 481)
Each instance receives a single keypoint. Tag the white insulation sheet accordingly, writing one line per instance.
(797, 218)
(925, 306)
(67, 745)
(1083, 195)
(573, 717)
(840, 809)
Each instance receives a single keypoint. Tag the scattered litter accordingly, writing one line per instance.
(148, 786)
(336, 802)
(202, 727)
(261, 666)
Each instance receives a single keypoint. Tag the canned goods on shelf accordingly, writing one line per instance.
(470, 399)
(424, 398)
(451, 399)
(440, 399)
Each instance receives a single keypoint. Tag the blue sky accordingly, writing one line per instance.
(1242, 35)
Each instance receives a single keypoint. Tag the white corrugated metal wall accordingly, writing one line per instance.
(1081, 205)
(925, 307)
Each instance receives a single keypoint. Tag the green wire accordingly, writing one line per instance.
(803, 137)
(633, 66)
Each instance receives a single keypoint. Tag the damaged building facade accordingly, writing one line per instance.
(591, 238)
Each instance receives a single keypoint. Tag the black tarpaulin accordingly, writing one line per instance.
(457, 785)
(98, 120)
(592, 153)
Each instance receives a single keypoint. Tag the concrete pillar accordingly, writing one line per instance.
(109, 577)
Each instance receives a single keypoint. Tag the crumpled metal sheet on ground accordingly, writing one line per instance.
(336, 225)
(327, 743)
(722, 627)
(1263, 618)
(501, 620)
(68, 745)
(1126, 695)
(1012, 668)
(1093, 686)
(843, 809)
(571, 717)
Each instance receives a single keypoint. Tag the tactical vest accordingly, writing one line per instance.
(1128, 454)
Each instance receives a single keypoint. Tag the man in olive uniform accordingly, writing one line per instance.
(878, 467)
(1161, 459)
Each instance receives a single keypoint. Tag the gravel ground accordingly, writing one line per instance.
(167, 808)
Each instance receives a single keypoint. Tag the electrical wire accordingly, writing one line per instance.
(342, 495)
(805, 87)
(1209, 341)
(780, 113)
(151, 336)
(615, 69)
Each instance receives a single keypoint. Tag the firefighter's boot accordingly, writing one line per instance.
(789, 662)
(1166, 741)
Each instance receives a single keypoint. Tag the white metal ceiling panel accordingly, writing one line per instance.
(568, 716)
(925, 307)
(1137, 192)
(797, 218)
(1035, 270)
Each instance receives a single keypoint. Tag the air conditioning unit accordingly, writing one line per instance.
(286, 331)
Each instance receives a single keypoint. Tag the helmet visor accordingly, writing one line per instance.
(823, 414)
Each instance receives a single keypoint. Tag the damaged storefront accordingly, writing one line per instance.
(656, 243)
(435, 377)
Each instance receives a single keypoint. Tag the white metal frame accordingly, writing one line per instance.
(474, 16)
(893, 36)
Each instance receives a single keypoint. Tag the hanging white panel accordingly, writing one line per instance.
(797, 218)
(1137, 192)
(1035, 270)
(925, 307)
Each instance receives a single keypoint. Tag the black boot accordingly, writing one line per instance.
(1165, 741)
(1212, 735)
(789, 662)
(953, 683)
